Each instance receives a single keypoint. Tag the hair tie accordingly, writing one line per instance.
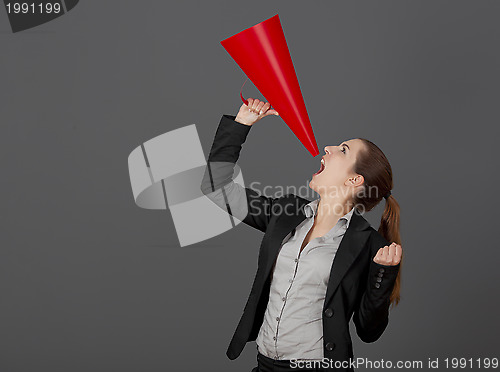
(387, 195)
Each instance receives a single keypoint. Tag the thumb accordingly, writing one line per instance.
(272, 112)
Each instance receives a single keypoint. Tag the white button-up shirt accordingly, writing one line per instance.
(293, 325)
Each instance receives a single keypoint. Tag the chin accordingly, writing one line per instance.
(311, 185)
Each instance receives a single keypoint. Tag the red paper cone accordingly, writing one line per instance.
(262, 53)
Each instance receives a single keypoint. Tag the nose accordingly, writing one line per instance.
(326, 150)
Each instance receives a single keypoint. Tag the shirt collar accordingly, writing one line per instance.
(311, 208)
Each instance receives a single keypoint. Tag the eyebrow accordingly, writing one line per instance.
(346, 145)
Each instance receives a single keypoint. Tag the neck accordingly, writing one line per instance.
(331, 209)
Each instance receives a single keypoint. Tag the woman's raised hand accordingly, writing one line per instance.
(389, 255)
(255, 111)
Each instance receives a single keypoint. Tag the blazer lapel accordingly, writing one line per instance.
(279, 232)
(351, 245)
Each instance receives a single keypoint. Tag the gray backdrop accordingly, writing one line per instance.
(91, 282)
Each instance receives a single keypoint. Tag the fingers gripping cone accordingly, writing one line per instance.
(262, 53)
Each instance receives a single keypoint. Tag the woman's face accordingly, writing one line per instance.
(337, 175)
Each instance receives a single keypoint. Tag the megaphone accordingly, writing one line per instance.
(262, 53)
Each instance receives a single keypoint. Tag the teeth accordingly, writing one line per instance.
(323, 161)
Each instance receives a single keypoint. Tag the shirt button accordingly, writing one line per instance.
(274, 337)
(379, 280)
(290, 280)
(380, 275)
(377, 285)
(278, 318)
(283, 298)
(296, 260)
(381, 270)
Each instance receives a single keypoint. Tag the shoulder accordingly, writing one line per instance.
(377, 237)
(377, 241)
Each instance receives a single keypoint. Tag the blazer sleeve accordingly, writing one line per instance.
(218, 184)
(371, 315)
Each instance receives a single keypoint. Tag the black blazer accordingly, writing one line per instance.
(357, 285)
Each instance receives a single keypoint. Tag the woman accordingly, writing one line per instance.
(331, 265)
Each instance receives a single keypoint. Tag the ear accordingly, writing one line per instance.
(355, 181)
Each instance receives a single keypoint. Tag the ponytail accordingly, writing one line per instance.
(389, 229)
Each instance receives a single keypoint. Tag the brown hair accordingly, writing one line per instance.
(373, 165)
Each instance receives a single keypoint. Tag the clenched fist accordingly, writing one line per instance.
(389, 255)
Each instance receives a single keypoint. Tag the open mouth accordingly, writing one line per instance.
(321, 168)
